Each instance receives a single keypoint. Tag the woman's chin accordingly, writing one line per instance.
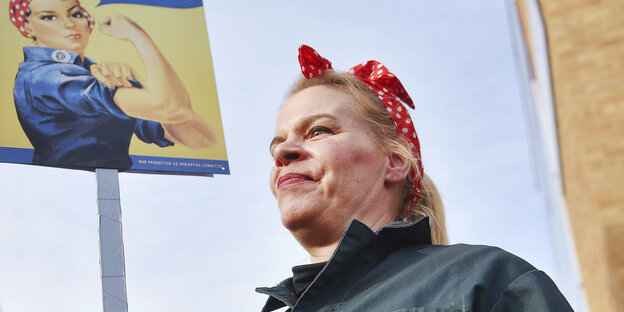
(78, 49)
(296, 219)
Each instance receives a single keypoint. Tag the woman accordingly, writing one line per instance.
(78, 113)
(351, 189)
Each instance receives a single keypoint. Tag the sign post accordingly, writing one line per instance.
(112, 261)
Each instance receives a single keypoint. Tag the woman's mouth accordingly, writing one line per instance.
(74, 36)
(290, 179)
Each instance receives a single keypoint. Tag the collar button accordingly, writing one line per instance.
(61, 56)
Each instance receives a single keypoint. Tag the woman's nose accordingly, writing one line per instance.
(288, 152)
(69, 23)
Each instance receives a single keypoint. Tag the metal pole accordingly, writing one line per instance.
(112, 261)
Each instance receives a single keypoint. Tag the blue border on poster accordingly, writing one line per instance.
(179, 165)
(165, 165)
(180, 4)
(16, 155)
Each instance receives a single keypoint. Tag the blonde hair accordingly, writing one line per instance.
(373, 112)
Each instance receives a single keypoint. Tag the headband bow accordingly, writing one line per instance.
(389, 90)
(17, 14)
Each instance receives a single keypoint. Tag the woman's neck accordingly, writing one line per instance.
(322, 247)
(322, 253)
(81, 53)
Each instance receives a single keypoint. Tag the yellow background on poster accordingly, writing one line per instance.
(181, 36)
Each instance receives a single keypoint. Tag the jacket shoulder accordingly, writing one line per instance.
(471, 255)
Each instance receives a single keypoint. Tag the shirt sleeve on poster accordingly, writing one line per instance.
(69, 87)
(151, 132)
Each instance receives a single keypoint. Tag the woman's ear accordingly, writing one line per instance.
(397, 169)
(29, 29)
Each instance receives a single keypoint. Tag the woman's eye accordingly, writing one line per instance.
(48, 17)
(318, 130)
(77, 15)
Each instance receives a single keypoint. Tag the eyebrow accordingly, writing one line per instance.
(44, 12)
(53, 12)
(301, 124)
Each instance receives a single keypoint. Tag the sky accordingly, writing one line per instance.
(203, 244)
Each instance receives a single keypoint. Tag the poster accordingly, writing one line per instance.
(62, 106)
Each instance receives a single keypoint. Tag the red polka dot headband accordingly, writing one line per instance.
(17, 14)
(389, 90)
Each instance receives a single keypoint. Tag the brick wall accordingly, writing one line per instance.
(586, 44)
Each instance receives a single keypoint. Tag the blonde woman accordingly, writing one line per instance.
(350, 187)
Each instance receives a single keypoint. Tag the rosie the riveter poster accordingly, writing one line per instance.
(121, 84)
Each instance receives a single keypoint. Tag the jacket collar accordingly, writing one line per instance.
(354, 239)
(41, 54)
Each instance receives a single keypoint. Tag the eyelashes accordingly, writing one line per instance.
(317, 131)
(313, 133)
(51, 17)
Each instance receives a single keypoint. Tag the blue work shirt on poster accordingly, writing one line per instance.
(70, 117)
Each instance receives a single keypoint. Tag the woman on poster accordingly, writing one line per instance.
(77, 113)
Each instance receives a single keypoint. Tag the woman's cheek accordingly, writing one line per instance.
(272, 179)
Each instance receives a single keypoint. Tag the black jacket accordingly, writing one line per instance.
(397, 269)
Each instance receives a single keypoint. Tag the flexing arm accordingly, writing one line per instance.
(163, 97)
(194, 133)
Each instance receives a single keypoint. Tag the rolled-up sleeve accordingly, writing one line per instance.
(66, 87)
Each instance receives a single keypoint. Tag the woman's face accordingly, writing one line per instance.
(328, 167)
(58, 24)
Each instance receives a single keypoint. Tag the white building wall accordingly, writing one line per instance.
(536, 86)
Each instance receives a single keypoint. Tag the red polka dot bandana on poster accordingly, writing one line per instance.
(17, 15)
(388, 89)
